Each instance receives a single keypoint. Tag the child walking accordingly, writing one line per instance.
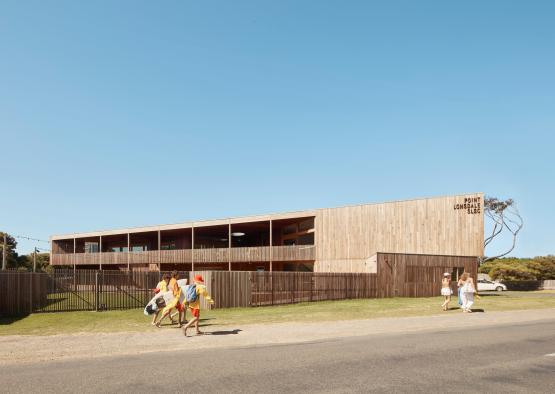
(197, 290)
(161, 287)
(176, 289)
(446, 290)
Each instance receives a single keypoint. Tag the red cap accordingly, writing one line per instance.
(198, 278)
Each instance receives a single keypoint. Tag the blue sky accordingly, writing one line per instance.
(130, 113)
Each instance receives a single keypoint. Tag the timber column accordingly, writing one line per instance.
(192, 246)
(229, 246)
(159, 251)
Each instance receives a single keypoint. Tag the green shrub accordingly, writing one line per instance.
(511, 268)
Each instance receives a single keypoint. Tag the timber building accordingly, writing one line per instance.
(344, 239)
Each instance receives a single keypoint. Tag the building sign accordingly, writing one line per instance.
(472, 205)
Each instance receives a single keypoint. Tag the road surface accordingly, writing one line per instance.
(505, 358)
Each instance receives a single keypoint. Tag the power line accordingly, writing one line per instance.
(30, 238)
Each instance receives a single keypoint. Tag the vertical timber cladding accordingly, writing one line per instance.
(415, 275)
(347, 238)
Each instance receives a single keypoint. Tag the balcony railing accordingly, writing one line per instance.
(176, 256)
(215, 255)
(293, 253)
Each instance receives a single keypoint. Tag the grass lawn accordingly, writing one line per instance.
(133, 320)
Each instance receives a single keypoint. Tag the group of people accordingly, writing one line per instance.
(466, 291)
(182, 301)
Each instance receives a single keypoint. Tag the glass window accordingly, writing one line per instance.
(91, 247)
(170, 245)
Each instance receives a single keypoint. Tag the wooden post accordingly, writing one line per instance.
(74, 267)
(18, 292)
(31, 291)
(159, 251)
(96, 292)
(192, 247)
(4, 261)
(128, 249)
(229, 246)
(271, 246)
(100, 251)
(35, 260)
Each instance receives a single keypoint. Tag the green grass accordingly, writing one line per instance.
(133, 320)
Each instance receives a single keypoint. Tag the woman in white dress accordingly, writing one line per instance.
(467, 292)
(446, 290)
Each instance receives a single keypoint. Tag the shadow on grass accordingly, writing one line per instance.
(492, 295)
(477, 310)
(4, 321)
(225, 332)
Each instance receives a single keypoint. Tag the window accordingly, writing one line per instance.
(456, 273)
(170, 245)
(91, 247)
(139, 248)
(119, 249)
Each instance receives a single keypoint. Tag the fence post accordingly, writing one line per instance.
(18, 292)
(311, 284)
(272, 286)
(31, 292)
(96, 292)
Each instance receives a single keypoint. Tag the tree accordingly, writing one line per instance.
(505, 216)
(544, 266)
(25, 262)
(11, 254)
(512, 268)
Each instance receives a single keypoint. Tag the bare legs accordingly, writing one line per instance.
(155, 317)
(195, 321)
(446, 300)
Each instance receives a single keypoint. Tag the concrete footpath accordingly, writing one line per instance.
(21, 349)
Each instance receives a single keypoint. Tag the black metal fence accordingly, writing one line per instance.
(75, 290)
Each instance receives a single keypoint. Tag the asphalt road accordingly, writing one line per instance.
(508, 358)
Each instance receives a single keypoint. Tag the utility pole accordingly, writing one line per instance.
(4, 254)
(35, 260)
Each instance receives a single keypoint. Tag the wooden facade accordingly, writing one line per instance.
(345, 239)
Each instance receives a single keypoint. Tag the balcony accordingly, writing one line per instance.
(208, 255)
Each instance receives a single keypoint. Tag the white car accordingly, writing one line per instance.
(488, 285)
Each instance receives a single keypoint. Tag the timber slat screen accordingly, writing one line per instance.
(22, 292)
(273, 288)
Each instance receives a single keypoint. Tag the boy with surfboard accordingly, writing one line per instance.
(192, 297)
(174, 287)
(161, 287)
